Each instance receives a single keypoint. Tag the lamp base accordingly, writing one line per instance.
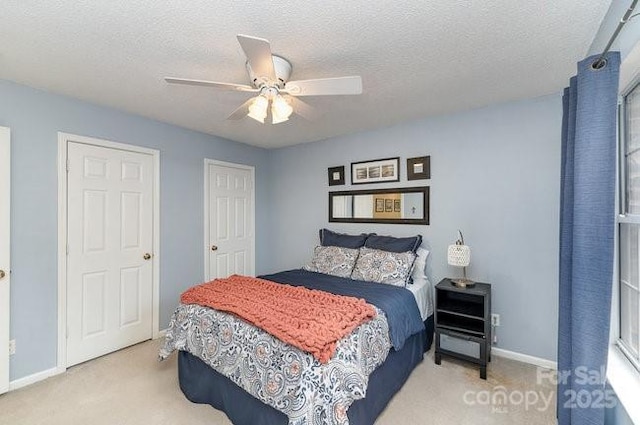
(463, 283)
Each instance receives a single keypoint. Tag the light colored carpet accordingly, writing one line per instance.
(131, 387)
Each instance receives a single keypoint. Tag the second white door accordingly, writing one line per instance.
(230, 213)
(110, 240)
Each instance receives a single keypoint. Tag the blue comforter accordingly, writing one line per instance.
(398, 303)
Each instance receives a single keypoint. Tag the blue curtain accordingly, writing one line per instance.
(587, 227)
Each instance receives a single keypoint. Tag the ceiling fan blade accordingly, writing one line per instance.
(242, 111)
(325, 86)
(258, 52)
(224, 86)
(303, 109)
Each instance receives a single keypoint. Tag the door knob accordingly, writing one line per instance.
(2, 274)
(147, 256)
(214, 248)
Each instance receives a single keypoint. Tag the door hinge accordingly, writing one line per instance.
(68, 167)
(67, 249)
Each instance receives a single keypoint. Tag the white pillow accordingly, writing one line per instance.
(419, 272)
(333, 260)
(392, 268)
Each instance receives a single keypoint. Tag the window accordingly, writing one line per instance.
(629, 226)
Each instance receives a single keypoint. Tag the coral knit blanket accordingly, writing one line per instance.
(311, 320)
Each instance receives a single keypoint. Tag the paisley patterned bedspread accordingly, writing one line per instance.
(280, 375)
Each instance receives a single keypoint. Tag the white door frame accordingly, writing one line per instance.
(63, 140)
(5, 307)
(252, 169)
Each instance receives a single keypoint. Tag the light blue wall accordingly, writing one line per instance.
(35, 117)
(495, 175)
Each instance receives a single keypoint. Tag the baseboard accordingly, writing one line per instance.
(41, 376)
(32, 379)
(525, 358)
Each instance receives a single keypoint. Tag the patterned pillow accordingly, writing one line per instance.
(333, 260)
(392, 268)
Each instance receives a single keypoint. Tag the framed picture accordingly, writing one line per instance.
(419, 168)
(336, 176)
(379, 204)
(396, 205)
(388, 205)
(376, 171)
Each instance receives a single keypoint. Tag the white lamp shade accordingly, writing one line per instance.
(258, 108)
(459, 255)
(280, 110)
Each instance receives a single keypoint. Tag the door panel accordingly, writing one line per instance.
(231, 237)
(94, 294)
(5, 277)
(110, 228)
(131, 228)
(95, 217)
(130, 287)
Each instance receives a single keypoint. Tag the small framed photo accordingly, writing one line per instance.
(379, 205)
(336, 176)
(419, 168)
(388, 205)
(375, 171)
(396, 205)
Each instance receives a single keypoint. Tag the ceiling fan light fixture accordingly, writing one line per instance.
(269, 79)
(280, 110)
(258, 109)
(277, 119)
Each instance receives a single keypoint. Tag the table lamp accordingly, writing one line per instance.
(459, 255)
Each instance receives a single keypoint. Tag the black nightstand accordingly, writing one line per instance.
(464, 313)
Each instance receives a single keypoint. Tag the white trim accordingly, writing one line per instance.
(621, 374)
(5, 254)
(106, 144)
(155, 312)
(524, 358)
(32, 379)
(40, 376)
(250, 168)
(625, 381)
(61, 360)
(63, 140)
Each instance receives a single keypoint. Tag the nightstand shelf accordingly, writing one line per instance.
(460, 325)
(472, 311)
(464, 314)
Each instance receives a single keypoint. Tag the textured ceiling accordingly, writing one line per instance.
(417, 58)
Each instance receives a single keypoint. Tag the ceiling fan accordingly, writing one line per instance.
(269, 76)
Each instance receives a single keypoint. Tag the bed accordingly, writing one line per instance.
(255, 378)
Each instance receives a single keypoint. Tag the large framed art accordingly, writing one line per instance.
(376, 171)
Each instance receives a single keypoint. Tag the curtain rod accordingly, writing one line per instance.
(601, 61)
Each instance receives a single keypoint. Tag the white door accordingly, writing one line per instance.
(230, 216)
(5, 174)
(110, 240)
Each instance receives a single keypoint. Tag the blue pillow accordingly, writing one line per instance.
(329, 238)
(391, 244)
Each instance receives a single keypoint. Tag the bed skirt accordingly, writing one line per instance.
(201, 384)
